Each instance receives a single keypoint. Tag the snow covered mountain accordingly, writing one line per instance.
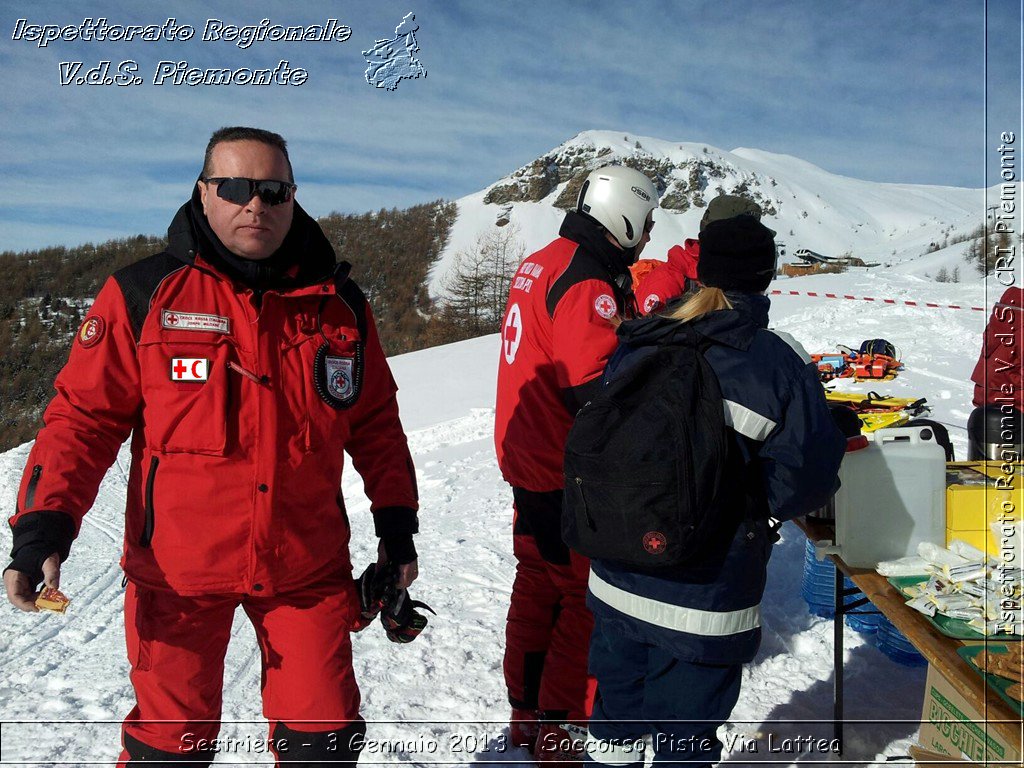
(809, 207)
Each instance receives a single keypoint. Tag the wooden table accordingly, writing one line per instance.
(939, 650)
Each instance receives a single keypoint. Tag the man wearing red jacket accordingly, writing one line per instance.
(241, 360)
(558, 332)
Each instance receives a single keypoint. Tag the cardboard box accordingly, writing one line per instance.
(979, 493)
(925, 759)
(951, 726)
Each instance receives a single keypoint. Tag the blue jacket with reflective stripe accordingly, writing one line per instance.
(787, 450)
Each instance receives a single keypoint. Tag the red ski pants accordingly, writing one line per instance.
(176, 647)
(547, 636)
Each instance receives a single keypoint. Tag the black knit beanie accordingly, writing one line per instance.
(728, 206)
(737, 254)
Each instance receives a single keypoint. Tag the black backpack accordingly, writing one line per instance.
(645, 460)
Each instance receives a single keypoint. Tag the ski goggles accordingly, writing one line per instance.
(240, 190)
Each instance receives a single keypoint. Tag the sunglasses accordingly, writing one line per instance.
(240, 190)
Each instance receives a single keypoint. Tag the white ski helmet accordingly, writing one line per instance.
(619, 199)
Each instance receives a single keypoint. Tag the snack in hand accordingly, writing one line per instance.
(51, 599)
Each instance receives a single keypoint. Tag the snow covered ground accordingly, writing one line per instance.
(64, 680)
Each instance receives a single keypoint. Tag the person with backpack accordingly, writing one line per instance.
(708, 427)
(557, 334)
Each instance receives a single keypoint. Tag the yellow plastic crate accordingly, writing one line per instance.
(979, 493)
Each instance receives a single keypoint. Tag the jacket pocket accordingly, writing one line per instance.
(186, 394)
(137, 631)
(149, 519)
(330, 370)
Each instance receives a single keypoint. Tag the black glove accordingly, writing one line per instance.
(378, 594)
(38, 535)
(402, 622)
(375, 586)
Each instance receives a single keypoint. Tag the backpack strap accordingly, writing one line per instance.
(352, 295)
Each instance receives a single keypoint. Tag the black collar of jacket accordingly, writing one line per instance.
(732, 327)
(305, 247)
(591, 235)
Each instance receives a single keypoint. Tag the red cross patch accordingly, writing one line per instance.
(651, 302)
(605, 306)
(512, 333)
(190, 369)
(655, 542)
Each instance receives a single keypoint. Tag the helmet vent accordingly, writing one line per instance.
(629, 228)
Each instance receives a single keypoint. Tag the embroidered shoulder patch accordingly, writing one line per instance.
(91, 331)
(605, 306)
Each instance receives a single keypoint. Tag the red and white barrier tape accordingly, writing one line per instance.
(818, 295)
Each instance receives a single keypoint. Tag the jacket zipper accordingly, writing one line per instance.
(30, 492)
(586, 508)
(147, 528)
(686, 486)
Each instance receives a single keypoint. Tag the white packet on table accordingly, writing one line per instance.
(904, 566)
(939, 556)
(922, 605)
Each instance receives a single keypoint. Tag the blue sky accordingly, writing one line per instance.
(886, 91)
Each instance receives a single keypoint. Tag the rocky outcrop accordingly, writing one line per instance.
(682, 186)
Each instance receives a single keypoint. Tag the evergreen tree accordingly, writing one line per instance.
(477, 286)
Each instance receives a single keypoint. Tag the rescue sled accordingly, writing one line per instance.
(864, 365)
(877, 411)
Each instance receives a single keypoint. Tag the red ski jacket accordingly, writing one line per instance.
(557, 335)
(239, 405)
(997, 376)
(668, 279)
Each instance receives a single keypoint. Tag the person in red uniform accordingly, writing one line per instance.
(241, 361)
(558, 332)
(997, 375)
(995, 429)
(657, 282)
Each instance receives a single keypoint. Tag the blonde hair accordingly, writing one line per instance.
(705, 300)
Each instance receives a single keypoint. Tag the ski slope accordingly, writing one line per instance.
(64, 679)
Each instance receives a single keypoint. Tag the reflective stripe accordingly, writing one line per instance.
(606, 753)
(747, 422)
(795, 345)
(675, 617)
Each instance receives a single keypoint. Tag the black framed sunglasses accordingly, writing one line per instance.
(240, 190)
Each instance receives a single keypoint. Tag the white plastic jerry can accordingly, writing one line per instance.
(892, 497)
